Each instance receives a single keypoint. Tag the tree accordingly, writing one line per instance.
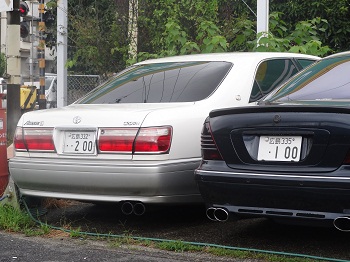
(180, 27)
(94, 37)
(335, 12)
(99, 43)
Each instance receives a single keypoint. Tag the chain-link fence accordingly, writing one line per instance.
(79, 85)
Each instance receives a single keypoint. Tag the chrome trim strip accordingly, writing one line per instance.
(274, 212)
(271, 175)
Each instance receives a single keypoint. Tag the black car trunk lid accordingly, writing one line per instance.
(304, 139)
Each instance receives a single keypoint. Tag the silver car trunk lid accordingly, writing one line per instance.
(87, 120)
(77, 116)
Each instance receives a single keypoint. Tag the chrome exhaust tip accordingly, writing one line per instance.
(127, 208)
(342, 224)
(221, 214)
(210, 213)
(217, 214)
(139, 209)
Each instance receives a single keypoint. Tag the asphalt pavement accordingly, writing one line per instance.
(19, 248)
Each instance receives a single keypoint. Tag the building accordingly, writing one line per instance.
(28, 44)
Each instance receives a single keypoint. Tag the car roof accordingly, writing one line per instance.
(50, 74)
(346, 53)
(229, 57)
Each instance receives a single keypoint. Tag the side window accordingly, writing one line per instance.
(269, 75)
(305, 62)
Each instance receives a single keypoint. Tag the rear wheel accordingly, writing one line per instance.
(33, 205)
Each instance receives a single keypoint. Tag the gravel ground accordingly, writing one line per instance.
(189, 223)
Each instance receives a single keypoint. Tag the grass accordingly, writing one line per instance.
(16, 220)
(75, 232)
(178, 246)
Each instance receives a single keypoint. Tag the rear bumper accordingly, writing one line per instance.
(266, 195)
(113, 181)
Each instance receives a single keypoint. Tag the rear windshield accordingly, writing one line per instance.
(161, 83)
(327, 79)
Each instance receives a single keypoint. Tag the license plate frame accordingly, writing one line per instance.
(82, 142)
(279, 148)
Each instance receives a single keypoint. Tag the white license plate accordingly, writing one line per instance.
(82, 142)
(279, 148)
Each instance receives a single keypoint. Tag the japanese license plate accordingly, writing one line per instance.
(82, 142)
(279, 148)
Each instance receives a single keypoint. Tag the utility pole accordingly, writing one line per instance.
(262, 16)
(62, 43)
(41, 55)
(132, 28)
(13, 68)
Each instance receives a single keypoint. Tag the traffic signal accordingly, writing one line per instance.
(23, 8)
(24, 29)
(49, 18)
(24, 26)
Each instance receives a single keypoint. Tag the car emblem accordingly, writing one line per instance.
(76, 119)
(277, 119)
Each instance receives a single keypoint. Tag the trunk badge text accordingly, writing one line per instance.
(76, 119)
(34, 123)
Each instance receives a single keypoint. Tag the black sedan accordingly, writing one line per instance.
(288, 157)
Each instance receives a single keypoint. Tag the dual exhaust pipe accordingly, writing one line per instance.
(217, 214)
(342, 224)
(131, 207)
(222, 215)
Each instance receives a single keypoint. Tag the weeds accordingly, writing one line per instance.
(16, 220)
(37, 231)
(177, 246)
(75, 232)
(45, 228)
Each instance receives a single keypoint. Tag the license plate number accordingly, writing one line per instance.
(279, 148)
(79, 142)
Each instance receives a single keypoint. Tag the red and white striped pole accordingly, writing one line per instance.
(41, 55)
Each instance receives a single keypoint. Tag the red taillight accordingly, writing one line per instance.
(116, 139)
(211, 155)
(33, 139)
(131, 140)
(208, 145)
(153, 140)
(18, 140)
(347, 158)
